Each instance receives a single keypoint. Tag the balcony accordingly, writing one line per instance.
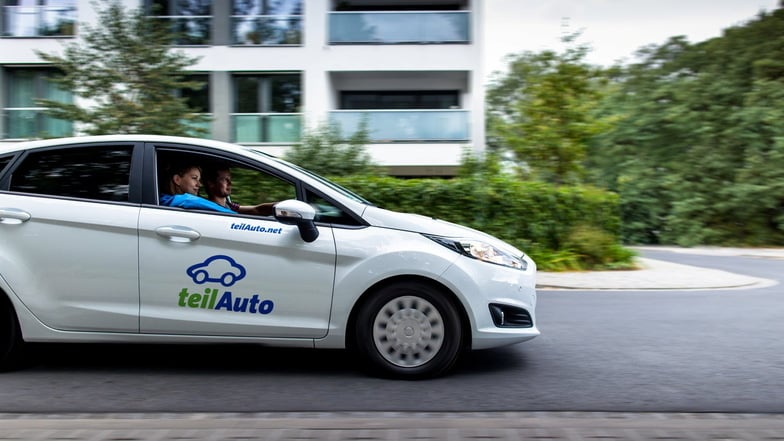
(399, 27)
(406, 125)
(267, 30)
(39, 21)
(280, 128)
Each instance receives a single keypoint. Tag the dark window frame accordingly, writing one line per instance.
(381, 99)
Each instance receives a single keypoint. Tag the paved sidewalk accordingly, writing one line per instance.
(511, 426)
(661, 275)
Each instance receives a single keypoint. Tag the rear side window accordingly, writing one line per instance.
(101, 173)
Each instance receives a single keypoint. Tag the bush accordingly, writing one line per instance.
(597, 248)
(561, 227)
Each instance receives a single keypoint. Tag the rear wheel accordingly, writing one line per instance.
(10, 337)
(409, 330)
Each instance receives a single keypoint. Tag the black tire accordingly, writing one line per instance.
(10, 337)
(408, 330)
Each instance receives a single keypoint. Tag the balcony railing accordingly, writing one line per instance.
(406, 125)
(267, 127)
(25, 123)
(206, 126)
(273, 30)
(39, 21)
(399, 27)
(189, 30)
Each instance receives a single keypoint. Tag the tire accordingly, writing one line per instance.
(408, 330)
(10, 337)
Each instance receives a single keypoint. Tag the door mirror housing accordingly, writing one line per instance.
(294, 212)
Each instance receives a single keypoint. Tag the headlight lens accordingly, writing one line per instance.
(481, 251)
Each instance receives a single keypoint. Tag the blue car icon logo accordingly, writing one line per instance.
(218, 269)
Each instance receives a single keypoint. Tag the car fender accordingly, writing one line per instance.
(367, 257)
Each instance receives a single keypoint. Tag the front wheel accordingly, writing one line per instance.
(409, 330)
(10, 337)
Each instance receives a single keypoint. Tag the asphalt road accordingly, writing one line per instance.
(668, 351)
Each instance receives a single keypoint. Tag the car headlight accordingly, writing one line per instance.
(480, 250)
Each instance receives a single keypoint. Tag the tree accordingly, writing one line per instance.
(697, 153)
(325, 151)
(543, 111)
(126, 74)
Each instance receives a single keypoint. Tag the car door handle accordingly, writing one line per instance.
(13, 216)
(176, 233)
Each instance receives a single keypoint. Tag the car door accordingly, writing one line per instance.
(69, 237)
(215, 274)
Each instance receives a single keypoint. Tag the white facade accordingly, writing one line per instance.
(409, 139)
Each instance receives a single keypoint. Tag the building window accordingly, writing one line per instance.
(189, 20)
(448, 99)
(39, 18)
(197, 99)
(24, 117)
(266, 108)
(267, 22)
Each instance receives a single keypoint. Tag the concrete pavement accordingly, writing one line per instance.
(660, 275)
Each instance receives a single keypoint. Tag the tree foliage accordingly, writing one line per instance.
(325, 151)
(697, 153)
(691, 136)
(543, 111)
(125, 74)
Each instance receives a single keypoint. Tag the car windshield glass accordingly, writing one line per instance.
(342, 190)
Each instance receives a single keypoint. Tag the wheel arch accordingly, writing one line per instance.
(465, 321)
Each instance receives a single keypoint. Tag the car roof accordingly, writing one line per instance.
(25, 145)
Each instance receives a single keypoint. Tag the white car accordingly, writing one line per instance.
(89, 254)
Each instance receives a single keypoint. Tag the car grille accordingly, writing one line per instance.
(505, 316)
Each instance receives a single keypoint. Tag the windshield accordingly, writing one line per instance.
(342, 190)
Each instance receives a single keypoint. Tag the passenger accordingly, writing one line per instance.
(183, 190)
(217, 183)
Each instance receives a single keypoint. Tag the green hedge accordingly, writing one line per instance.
(556, 225)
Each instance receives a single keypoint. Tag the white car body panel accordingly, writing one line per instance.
(61, 268)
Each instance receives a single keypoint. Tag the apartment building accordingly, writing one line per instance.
(412, 69)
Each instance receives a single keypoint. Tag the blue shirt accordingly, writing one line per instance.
(190, 201)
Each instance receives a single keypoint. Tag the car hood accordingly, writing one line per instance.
(417, 223)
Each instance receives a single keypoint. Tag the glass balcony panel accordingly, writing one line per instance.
(398, 27)
(404, 125)
(206, 126)
(56, 128)
(39, 21)
(33, 123)
(21, 123)
(258, 7)
(267, 127)
(268, 31)
(58, 21)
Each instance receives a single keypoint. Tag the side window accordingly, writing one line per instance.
(100, 172)
(327, 212)
(222, 181)
(253, 186)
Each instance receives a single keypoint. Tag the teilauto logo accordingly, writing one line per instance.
(225, 271)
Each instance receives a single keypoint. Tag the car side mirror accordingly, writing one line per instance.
(294, 212)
